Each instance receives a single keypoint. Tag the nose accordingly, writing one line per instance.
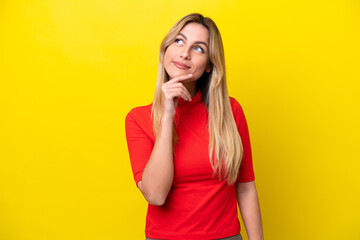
(185, 54)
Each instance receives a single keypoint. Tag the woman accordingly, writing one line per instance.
(190, 149)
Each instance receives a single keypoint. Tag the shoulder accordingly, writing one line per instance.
(141, 115)
(238, 113)
(138, 119)
(236, 107)
(139, 112)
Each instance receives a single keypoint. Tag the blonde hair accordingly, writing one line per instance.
(225, 146)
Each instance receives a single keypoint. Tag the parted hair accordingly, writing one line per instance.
(225, 145)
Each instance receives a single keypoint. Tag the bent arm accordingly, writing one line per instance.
(250, 209)
(158, 174)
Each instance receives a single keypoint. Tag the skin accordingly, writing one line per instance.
(158, 174)
(248, 202)
(191, 49)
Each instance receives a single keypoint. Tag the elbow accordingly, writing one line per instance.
(156, 197)
(156, 201)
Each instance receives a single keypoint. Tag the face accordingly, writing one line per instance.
(189, 53)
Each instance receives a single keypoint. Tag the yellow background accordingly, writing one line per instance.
(70, 71)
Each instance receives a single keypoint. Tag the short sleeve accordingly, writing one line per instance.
(139, 145)
(246, 171)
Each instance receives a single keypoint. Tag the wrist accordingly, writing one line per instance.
(167, 117)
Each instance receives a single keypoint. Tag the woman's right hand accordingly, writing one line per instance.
(173, 89)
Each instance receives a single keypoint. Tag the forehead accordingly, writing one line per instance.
(195, 32)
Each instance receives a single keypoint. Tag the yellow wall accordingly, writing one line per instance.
(71, 70)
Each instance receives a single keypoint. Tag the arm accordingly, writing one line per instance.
(158, 174)
(250, 210)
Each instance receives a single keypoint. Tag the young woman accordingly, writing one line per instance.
(190, 149)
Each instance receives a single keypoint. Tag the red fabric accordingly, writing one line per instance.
(198, 206)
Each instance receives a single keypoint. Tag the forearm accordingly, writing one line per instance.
(158, 174)
(250, 210)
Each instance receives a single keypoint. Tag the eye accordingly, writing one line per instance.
(199, 49)
(179, 41)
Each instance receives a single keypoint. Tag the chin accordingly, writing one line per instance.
(173, 74)
(176, 72)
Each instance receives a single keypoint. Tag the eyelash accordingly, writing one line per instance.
(178, 39)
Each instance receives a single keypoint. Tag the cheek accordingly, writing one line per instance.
(201, 66)
(167, 57)
(167, 63)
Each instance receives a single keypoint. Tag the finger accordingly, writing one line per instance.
(176, 86)
(176, 92)
(180, 78)
(188, 95)
(173, 85)
(183, 91)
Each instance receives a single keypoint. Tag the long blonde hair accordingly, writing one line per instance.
(225, 146)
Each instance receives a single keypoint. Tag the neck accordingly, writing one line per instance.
(191, 87)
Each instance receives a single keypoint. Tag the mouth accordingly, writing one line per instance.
(181, 65)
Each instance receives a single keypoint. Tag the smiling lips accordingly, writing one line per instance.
(181, 66)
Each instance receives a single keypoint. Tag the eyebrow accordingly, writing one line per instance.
(197, 42)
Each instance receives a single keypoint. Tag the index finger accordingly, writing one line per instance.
(180, 78)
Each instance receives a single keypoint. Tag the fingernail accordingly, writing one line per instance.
(190, 74)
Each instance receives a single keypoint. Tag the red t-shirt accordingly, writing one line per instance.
(198, 206)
